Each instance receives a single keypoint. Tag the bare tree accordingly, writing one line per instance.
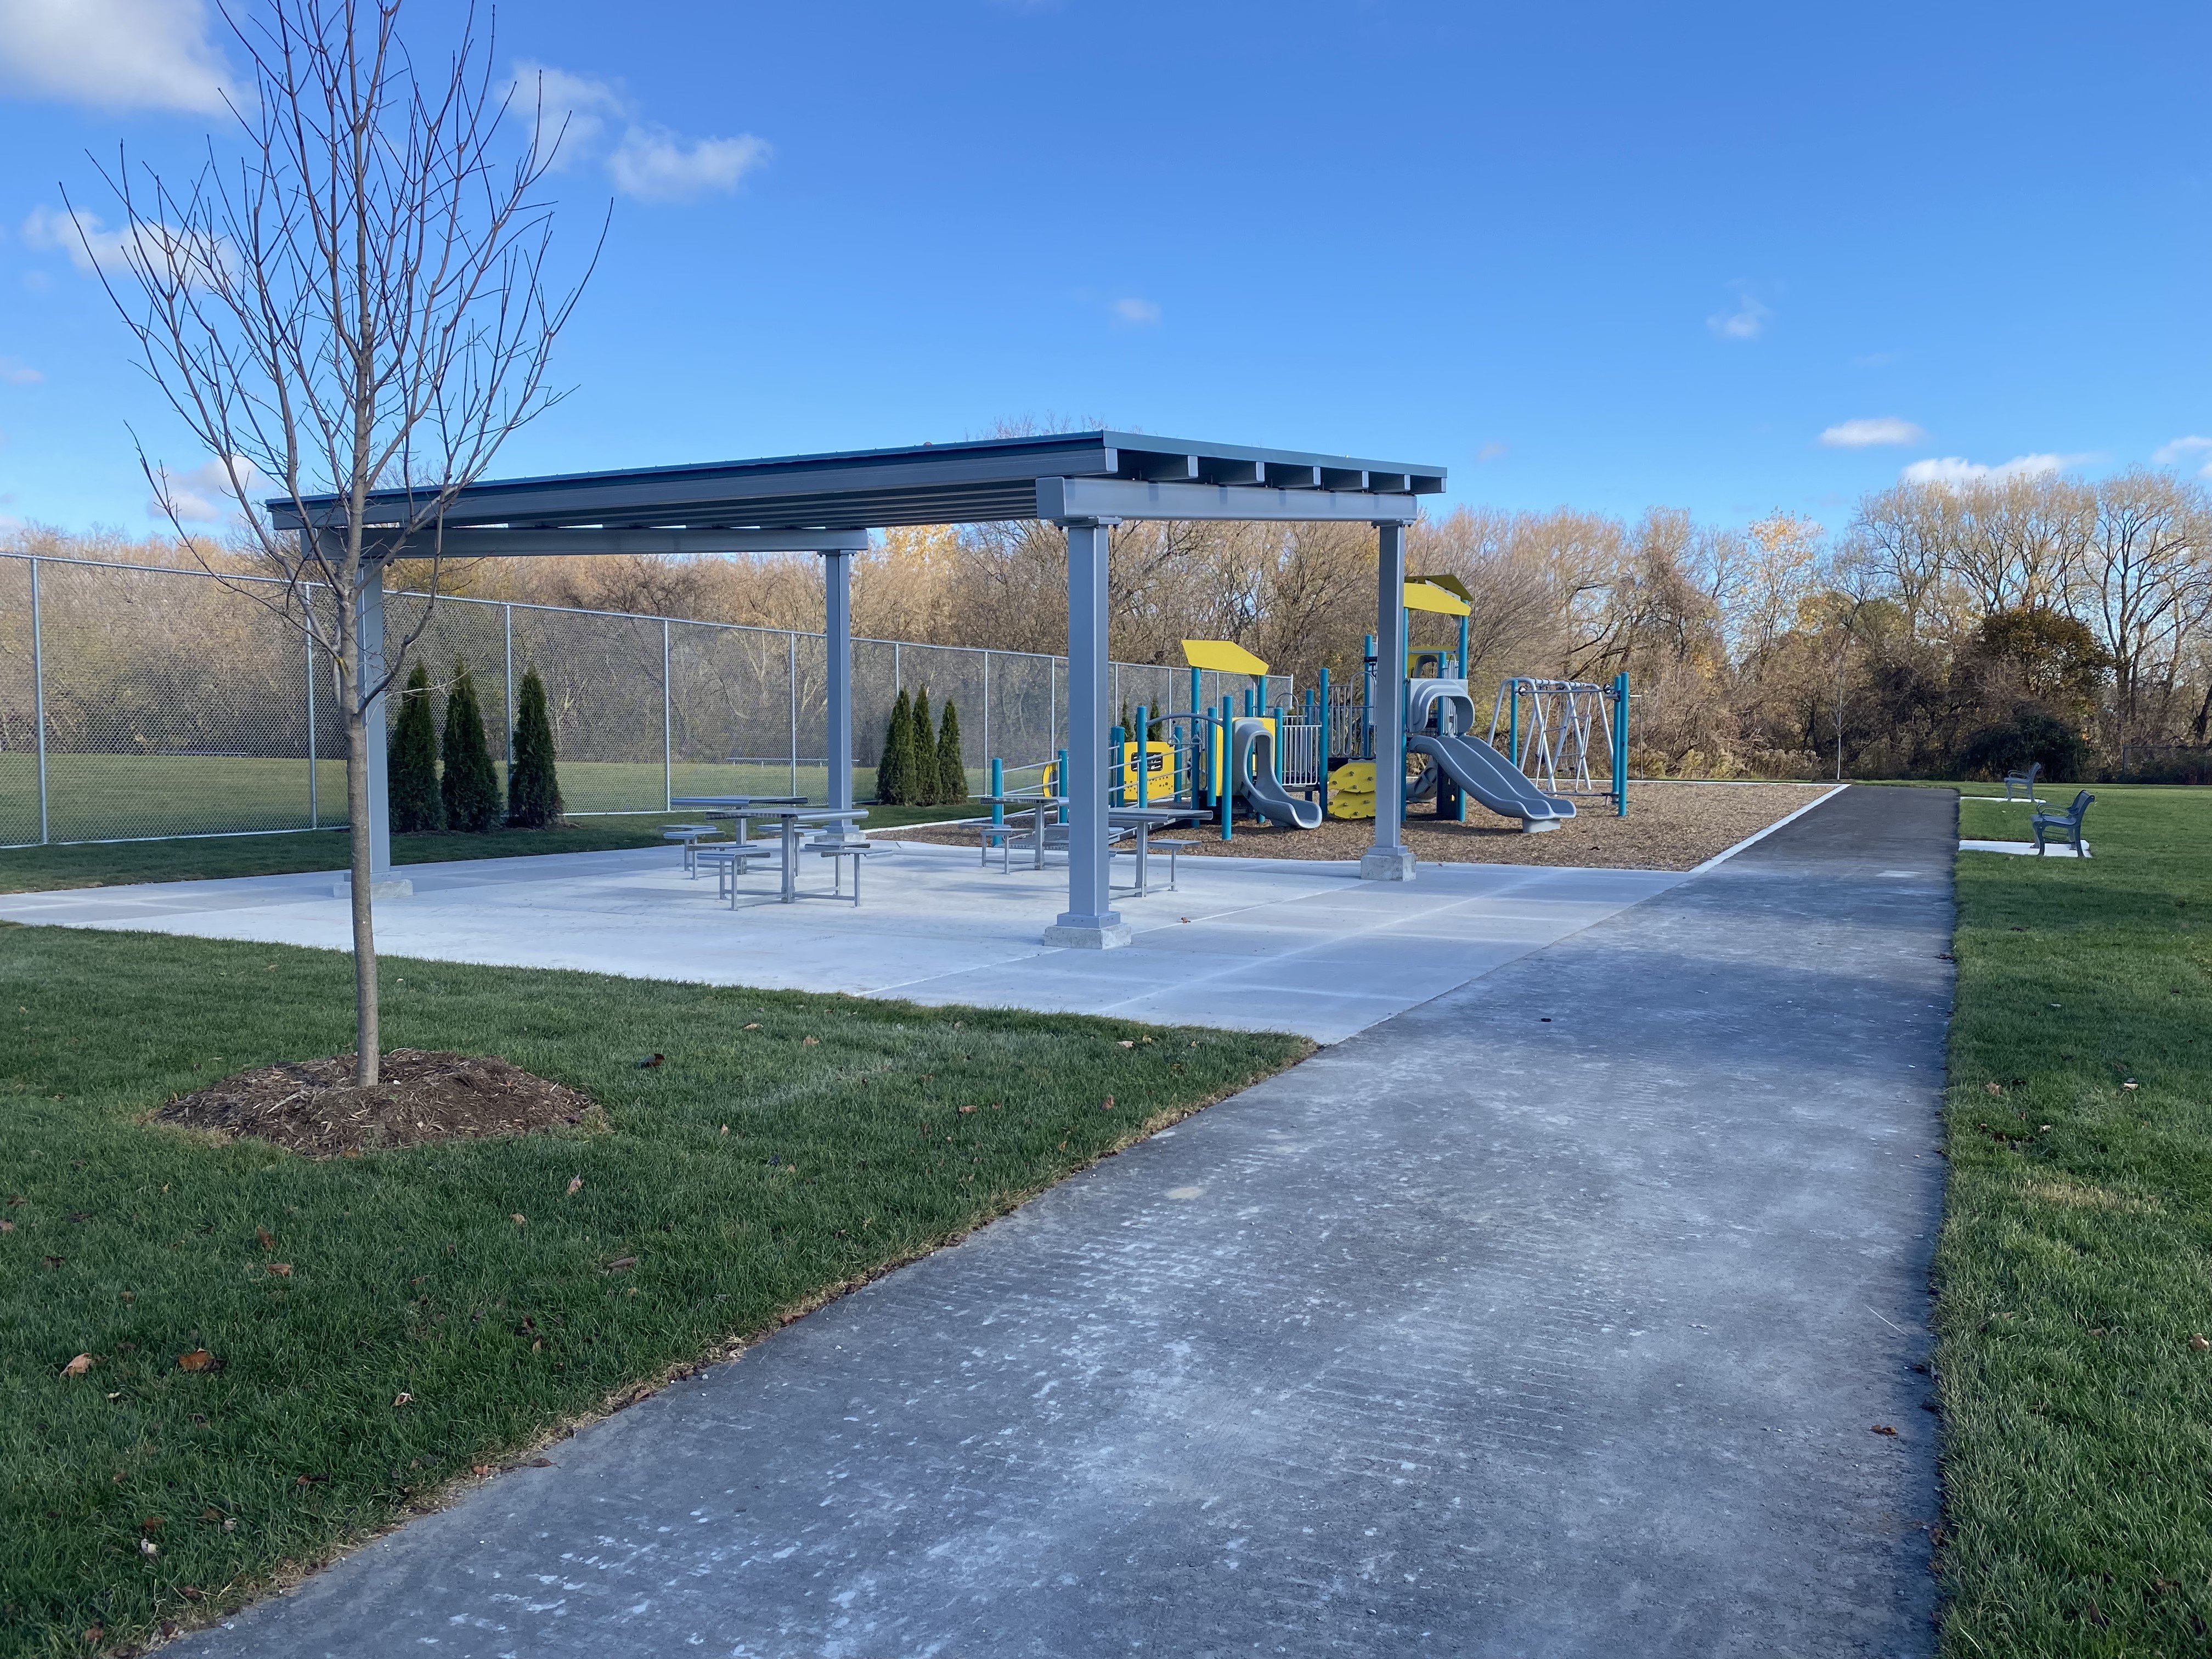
(2144, 583)
(357, 302)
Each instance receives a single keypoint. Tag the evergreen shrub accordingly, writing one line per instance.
(533, 786)
(411, 761)
(952, 767)
(470, 784)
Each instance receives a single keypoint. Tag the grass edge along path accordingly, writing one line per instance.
(2073, 1270)
(381, 1327)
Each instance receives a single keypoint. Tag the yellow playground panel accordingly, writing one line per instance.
(1351, 790)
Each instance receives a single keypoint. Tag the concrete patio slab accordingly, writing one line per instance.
(1258, 944)
(1565, 1314)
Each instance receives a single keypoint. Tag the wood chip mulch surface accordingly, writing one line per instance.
(313, 1106)
(1669, 826)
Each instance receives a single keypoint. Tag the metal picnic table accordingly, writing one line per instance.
(790, 813)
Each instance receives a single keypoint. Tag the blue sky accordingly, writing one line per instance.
(1606, 255)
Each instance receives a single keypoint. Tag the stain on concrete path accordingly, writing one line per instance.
(1554, 1316)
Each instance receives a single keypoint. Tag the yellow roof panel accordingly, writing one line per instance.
(1426, 595)
(1222, 655)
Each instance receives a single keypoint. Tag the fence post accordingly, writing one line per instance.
(39, 697)
(667, 730)
(1052, 702)
(507, 611)
(308, 636)
(791, 648)
(987, 711)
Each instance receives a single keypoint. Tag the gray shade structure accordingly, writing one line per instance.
(1084, 482)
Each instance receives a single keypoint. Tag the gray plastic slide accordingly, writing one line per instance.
(1486, 775)
(1254, 760)
(1435, 707)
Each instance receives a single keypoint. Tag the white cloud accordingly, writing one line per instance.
(1747, 322)
(90, 245)
(17, 373)
(1872, 430)
(571, 110)
(1133, 310)
(200, 496)
(1955, 470)
(648, 161)
(1492, 451)
(2186, 451)
(654, 165)
(115, 54)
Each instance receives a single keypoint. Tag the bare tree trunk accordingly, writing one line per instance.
(368, 1045)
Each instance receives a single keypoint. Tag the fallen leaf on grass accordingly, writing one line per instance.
(809, 1042)
(304, 1480)
(95, 1633)
(726, 1128)
(199, 1360)
(1107, 1104)
(479, 1469)
(1126, 1043)
(191, 1592)
(1992, 1089)
(267, 1242)
(650, 1061)
(541, 1462)
(281, 1269)
(519, 1220)
(752, 1026)
(576, 1184)
(403, 1399)
(2199, 1344)
(621, 1262)
(54, 1261)
(1883, 1428)
(964, 1109)
(7, 1226)
(79, 1366)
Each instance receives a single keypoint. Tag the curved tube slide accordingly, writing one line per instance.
(1253, 762)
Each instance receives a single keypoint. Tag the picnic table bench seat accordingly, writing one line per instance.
(2026, 781)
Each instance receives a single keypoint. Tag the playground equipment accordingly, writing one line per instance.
(1553, 731)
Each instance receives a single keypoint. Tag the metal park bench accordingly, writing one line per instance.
(2067, 825)
(2027, 782)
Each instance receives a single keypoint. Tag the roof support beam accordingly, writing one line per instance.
(524, 542)
(1062, 500)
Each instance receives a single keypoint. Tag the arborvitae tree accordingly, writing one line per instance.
(533, 786)
(470, 785)
(921, 764)
(411, 760)
(898, 753)
(951, 769)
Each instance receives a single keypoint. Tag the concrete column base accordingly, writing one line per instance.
(1387, 864)
(1105, 933)
(392, 887)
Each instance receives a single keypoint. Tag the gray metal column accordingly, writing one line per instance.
(1089, 921)
(837, 632)
(39, 700)
(1389, 860)
(368, 621)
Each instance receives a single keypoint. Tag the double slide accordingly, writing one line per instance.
(1437, 709)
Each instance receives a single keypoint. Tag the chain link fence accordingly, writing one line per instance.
(138, 703)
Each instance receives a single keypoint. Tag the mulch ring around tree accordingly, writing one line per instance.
(314, 1107)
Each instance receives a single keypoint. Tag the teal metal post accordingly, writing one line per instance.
(1462, 647)
(1620, 744)
(1324, 743)
(1144, 758)
(1367, 703)
(998, 790)
(1513, 725)
(1228, 756)
(1116, 749)
(1064, 782)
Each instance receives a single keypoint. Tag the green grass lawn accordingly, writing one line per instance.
(790, 1144)
(2074, 1270)
(199, 857)
(105, 797)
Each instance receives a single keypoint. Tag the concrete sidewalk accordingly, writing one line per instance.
(1556, 1315)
